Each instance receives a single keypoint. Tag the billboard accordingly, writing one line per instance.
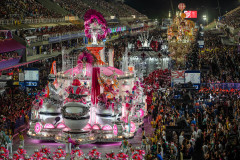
(31, 75)
(193, 76)
(191, 14)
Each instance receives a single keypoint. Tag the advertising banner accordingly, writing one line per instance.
(177, 77)
(66, 37)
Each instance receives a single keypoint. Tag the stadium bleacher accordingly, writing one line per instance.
(232, 18)
(23, 9)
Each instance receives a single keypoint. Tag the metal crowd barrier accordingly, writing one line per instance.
(224, 86)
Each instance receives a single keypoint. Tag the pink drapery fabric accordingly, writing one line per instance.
(95, 85)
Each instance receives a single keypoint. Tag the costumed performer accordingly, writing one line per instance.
(94, 153)
(111, 156)
(124, 145)
(37, 154)
(122, 156)
(45, 151)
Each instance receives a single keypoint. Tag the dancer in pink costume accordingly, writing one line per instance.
(76, 153)
(111, 156)
(37, 154)
(140, 152)
(94, 153)
(3, 155)
(21, 151)
(44, 157)
(6, 152)
(122, 156)
(45, 151)
(16, 156)
(26, 157)
(57, 155)
(136, 156)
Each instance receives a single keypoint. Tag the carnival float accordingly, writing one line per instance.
(91, 101)
(181, 35)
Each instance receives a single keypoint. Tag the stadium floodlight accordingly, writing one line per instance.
(204, 17)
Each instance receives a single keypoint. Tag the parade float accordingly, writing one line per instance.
(181, 36)
(148, 54)
(91, 101)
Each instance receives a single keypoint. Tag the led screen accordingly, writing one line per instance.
(195, 78)
(191, 14)
(31, 75)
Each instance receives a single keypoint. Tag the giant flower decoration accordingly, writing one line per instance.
(95, 24)
(38, 127)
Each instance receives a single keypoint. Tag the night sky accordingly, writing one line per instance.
(160, 8)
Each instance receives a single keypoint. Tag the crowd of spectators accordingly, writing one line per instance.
(75, 7)
(79, 8)
(232, 18)
(115, 8)
(212, 117)
(14, 104)
(23, 9)
(28, 9)
(218, 62)
(220, 123)
(8, 55)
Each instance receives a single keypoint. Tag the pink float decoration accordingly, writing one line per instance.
(38, 127)
(87, 127)
(66, 129)
(96, 127)
(107, 128)
(115, 130)
(48, 126)
(108, 71)
(133, 127)
(141, 112)
(78, 69)
(80, 100)
(60, 126)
